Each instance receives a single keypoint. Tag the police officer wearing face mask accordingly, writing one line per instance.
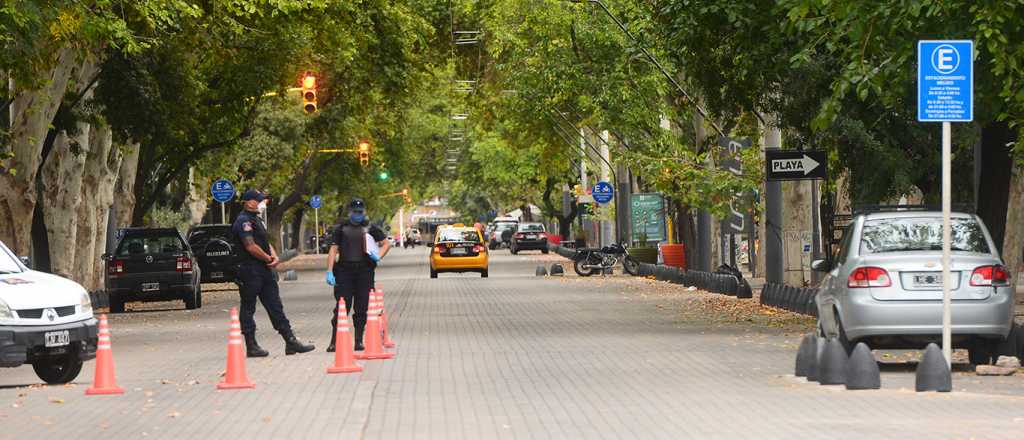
(257, 279)
(355, 247)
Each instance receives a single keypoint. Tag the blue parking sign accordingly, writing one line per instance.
(603, 192)
(945, 81)
(315, 202)
(222, 190)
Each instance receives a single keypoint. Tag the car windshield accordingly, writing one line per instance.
(504, 226)
(8, 262)
(452, 234)
(152, 244)
(200, 237)
(920, 234)
(531, 227)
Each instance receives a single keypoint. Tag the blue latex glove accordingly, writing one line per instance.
(330, 278)
(374, 257)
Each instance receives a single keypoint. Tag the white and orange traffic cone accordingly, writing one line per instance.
(103, 381)
(235, 376)
(372, 336)
(344, 356)
(388, 343)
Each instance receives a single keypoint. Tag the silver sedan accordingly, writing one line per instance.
(884, 286)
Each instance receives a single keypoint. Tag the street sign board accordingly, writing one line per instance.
(603, 192)
(740, 219)
(315, 202)
(648, 217)
(796, 165)
(222, 190)
(945, 81)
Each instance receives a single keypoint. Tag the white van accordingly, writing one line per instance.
(45, 320)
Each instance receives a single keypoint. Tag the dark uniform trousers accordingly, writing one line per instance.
(352, 282)
(256, 281)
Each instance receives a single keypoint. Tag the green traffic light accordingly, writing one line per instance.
(384, 175)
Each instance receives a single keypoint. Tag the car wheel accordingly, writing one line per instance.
(843, 340)
(195, 300)
(58, 370)
(483, 274)
(544, 251)
(433, 273)
(980, 352)
(116, 305)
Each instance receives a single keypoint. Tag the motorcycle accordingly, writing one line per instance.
(590, 261)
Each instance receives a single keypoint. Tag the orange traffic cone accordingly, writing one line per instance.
(235, 376)
(103, 381)
(388, 343)
(344, 356)
(372, 336)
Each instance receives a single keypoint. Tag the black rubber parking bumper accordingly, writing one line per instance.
(16, 341)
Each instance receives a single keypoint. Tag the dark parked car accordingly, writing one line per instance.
(152, 264)
(529, 236)
(216, 255)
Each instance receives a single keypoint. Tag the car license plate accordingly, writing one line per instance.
(149, 287)
(928, 280)
(458, 251)
(58, 338)
(217, 275)
(531, 237)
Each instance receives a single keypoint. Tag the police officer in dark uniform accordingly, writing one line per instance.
(355, 250)
(257, 279)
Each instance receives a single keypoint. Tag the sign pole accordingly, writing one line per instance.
(401, 226)
(947, 235)
(316, 221)
(223, 215)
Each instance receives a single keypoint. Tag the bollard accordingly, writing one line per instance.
(862, 371)
(933, 373)
(291, 275)
(819, 350)
(805, 355)
(832, 368)
(541, 271)
(557, 269)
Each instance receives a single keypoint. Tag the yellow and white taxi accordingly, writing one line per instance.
(458, 248)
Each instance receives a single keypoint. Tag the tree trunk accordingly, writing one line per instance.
(796, 220)
(996, 163)
(687, 230)
(32, 111)
(297, 242)
(62, 194)
(1013, 238)
(195, 201)
(99, 179)
(124, 203)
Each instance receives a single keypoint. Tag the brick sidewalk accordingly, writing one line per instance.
(512, 356)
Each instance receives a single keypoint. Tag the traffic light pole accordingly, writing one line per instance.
(401, 226)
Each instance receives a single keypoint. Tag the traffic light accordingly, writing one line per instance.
(383, 176)
(364, 153)
(309, 104)
(405, 195)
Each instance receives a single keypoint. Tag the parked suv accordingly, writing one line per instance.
(501, 234)
(529, 236)
(213, 250)
(45, 320)
(152, 264)
(885, 285)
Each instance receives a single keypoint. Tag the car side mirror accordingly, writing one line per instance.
(820, 266)
(27, 261)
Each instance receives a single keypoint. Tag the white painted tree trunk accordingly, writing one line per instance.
(1013, 248)
(196, 202)
(32, 111)
(124, 189)
(62, 194)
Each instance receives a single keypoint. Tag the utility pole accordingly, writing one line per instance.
(773, 245)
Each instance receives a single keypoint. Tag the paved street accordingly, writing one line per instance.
(511, 356)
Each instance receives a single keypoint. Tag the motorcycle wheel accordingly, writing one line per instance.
(632, 266)
(578, 267)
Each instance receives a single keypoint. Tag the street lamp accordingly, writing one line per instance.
(654, 61)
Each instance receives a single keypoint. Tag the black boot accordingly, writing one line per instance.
(253, 349)
(330, 348)
(358, 343)
(292, 344)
